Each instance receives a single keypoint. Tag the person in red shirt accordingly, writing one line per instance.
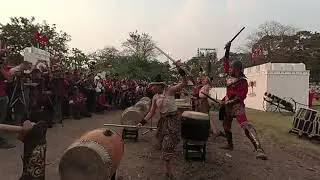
(78, 104)
(5, 75)
(233, 102)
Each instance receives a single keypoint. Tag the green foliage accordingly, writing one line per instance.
(140, 45)
(19, 34)
(77, 60)
(136, 61)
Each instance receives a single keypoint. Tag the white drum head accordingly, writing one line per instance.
(195, 115)
(131, 116)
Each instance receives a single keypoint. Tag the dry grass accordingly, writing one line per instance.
(276, 127)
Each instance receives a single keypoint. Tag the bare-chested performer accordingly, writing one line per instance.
(169, 125)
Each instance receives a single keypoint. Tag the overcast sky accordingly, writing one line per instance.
(178, 26)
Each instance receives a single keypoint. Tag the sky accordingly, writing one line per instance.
(179, 27)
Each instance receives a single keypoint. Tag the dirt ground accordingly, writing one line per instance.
(142, 161)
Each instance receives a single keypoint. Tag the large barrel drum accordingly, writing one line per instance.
(145, 99)
(94, 156)
(134, 114)
(143, 105)
(131, 116)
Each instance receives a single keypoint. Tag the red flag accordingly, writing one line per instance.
(44, 40)
(36, 36)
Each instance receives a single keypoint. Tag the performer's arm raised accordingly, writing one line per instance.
(226, 62)
(180, 86)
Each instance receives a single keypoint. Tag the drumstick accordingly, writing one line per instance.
(237, 34)
(130, 126)
(208, 96)
(10, 128)
(16, 129)
(170, 58)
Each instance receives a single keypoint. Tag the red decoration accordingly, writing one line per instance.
(40, 38)
(44, 40)
(256, 53)
(36, 36)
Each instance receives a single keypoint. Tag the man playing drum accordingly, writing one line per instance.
(203, 101)
(169, 125)
(233, 102)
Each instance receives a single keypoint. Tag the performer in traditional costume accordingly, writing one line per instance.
(203, 100)
(169, 125)
(233, 102)
(195, 95)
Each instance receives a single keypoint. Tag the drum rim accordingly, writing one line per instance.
(204, 117)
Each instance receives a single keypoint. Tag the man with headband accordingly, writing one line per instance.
(234, 107)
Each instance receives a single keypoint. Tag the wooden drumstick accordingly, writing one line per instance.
(234, 37)
(27, 125)
(130, 126)
(174, 62)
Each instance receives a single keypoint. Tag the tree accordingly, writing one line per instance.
(105, 54)
(140, 45)
(77, 60)
(269, 29)
(19, 34)
(283, 44)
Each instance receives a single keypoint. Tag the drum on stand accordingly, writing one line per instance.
(195, 130)
(132, 116)
(303, 121)
(94, 156)
(143, 105)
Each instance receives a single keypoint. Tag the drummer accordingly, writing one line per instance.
(203, 101)
(169, 125)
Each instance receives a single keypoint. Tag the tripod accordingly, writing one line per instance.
(18, 94)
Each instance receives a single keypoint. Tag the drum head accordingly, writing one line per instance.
(182, 104)
(131, 116)
(82, 163)
(145, 99)
(195, 115)
(180, 100)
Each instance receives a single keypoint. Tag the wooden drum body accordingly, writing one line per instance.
(94, 156)
(303, 121)
(134, 114)
(195, 126)
(143, 105)
(131, 116)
